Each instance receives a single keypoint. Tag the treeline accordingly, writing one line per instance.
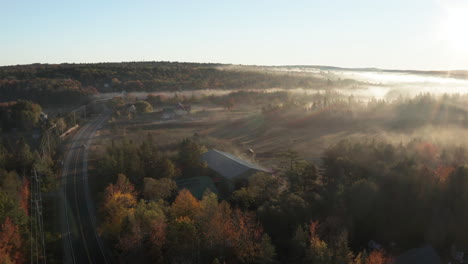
(45, 91)
(21, 115)
(408, 195)
(31, 139)
(300, 111)
(399, 196)
(70, 83)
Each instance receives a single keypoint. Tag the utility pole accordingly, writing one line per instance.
(30, 220)
(38, 254)
(48, 143)
(48, 131)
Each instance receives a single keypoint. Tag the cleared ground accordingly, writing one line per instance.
(246, 127)
(234, 131)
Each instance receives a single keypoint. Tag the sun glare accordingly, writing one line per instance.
(454, 26)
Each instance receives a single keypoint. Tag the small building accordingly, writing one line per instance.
(232, 169)
(197, 185)
(422, 255)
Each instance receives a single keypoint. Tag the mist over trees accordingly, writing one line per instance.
(298, 215)
(52, 84)
(399, 195)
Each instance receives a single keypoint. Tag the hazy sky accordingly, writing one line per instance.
(402, 34)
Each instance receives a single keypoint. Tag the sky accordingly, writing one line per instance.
(397, 34)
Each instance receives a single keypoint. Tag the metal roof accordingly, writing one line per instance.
(227, 164)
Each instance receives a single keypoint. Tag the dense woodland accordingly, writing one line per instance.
(20, 153)
(295, 216)
(400, 194)
(51, 84)
(15, 224)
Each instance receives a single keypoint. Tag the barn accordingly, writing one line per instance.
(231, 169)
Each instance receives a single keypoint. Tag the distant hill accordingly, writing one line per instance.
(68, 83)
(58, 84)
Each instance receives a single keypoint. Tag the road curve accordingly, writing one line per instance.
(81, 242)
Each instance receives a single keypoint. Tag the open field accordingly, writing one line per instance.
(246, 127)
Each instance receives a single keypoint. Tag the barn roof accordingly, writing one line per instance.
(227, 164)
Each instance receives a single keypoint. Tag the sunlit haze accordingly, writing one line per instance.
(399, 34)
(242, 131)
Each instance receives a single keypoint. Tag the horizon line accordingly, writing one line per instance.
(370, 68)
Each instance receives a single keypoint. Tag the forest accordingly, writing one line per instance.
(304, 212)
(295, 216)
(234, 132)
(16, 225)
(59, 84)
(29, 143)
(366, 200)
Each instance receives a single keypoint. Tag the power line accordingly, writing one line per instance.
(38, 250)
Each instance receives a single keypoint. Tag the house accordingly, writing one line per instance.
(232, 169)
(197, 185)
(423, 255)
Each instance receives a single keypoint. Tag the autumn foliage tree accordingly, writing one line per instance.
(378, 257)
(24, 196)
(318, 252)
(208, 229)
(247, 236)
(185, 205)
(10, 243)
(158, 189)
(119, 200)
(143, 107)
(14, 206)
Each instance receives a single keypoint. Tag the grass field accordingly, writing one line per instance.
(234, 131)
